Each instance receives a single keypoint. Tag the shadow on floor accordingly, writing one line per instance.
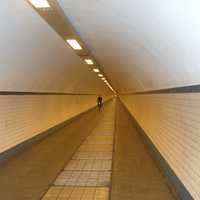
(135, 174)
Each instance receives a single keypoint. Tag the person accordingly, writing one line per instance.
(99, 102)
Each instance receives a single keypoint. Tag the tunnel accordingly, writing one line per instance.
(99, 100)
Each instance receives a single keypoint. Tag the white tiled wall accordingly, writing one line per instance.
(24, 116)
(172, 121)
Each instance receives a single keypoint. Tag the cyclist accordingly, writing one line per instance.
(99, 102)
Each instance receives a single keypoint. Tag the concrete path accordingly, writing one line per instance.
(135, 175)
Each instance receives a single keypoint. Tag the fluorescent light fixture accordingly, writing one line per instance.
(110, 87)
(89, 61)
(40, 3)
(108, 84)
(103, 78)
(74, 44)
(96, 70)
(100, 75)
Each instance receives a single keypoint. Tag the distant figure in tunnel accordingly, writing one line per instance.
(99, 102)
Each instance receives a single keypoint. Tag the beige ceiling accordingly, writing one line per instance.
(35, 58)
(141, 44)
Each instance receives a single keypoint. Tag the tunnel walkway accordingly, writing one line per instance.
(87, 176)
(97, 156)
(135, 174)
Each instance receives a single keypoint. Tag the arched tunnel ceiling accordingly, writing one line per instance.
(34, 58)
(141, 45)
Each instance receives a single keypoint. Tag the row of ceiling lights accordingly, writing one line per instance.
(73, 42)
(76, 46)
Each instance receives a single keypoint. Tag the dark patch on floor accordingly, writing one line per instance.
(135, 174)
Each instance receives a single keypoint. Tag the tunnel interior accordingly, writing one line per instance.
(57, 57)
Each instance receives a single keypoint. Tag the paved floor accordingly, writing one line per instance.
(135, 175)
(87, 176)
(77, 163)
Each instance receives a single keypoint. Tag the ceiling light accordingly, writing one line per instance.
(96, 70)
(108, 84)
(103, 79)
(100, 75)
(40, 3)
(89, 61)
(110, 87)
(74, 44)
